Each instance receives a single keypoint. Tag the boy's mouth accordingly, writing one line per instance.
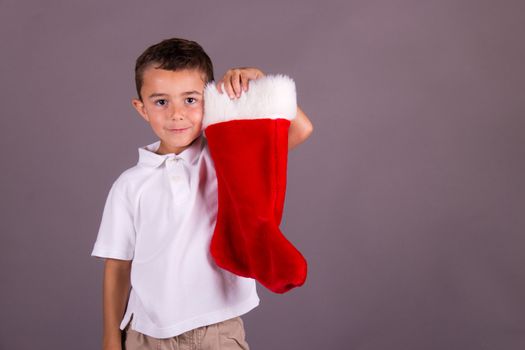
(178, 130)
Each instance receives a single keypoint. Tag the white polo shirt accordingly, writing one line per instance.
(161, 214)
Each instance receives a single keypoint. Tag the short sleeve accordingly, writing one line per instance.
(116, 234)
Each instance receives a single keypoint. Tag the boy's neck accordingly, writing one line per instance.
(162, 150)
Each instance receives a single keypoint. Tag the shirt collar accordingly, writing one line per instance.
(148, 157)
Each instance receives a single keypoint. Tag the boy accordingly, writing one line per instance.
(161, 285)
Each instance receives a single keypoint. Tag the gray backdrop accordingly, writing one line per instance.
(407, 200)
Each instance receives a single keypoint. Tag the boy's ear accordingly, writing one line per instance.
(139, 106)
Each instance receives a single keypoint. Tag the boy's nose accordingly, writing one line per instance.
(176, 113)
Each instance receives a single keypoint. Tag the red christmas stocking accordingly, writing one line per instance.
(248, 141)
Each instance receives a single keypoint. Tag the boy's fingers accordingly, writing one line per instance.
(228, 88)
(236, 82)
(218, 85)
(244, 82)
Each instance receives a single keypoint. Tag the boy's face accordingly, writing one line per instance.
(172, 103)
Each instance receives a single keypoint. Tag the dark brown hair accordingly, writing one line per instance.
(173, 54)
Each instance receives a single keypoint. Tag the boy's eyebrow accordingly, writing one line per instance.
(193, 92)
(159, 94)
(156, 94)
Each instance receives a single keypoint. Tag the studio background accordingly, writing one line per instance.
(407, 200)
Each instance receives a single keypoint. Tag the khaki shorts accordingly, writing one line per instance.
(225, 335)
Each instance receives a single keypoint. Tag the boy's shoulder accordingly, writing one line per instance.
(129, 174)
(128, 179)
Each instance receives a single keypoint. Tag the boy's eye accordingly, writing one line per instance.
(161, 102)
(191, 100)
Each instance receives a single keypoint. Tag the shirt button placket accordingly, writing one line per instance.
(178, 181)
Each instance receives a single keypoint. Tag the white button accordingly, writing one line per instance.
(175, 177)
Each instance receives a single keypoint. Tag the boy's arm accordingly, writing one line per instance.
(116, 289)
(236, 80)
(300, 129)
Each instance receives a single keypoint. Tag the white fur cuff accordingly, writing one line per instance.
(272, 96)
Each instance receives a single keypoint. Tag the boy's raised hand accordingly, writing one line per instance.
(235, 80)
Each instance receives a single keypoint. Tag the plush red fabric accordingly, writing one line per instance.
(250, 159)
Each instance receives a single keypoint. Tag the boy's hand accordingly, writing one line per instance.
(235, 80)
